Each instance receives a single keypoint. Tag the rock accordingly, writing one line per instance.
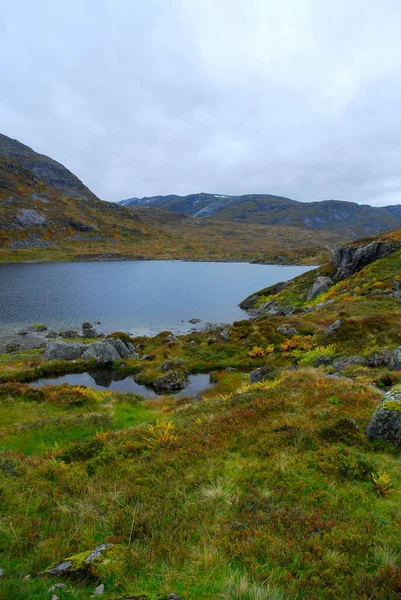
(68, 333)
(171, 381)
(60, 350)
(23, 332)
(351, 259)
(97, 322)
(28, 217)
(334, 327)
(225, 335)
(57, 586)
(321, 284)
(397, 359)
(38, 328)
(146, 597)
(341, 363)
(385, 423)
(103, 352)
(287, 330)
(384, 358)
(229, 369)
(171, 338)
(321, 304)
(194, 321)
(259, 374)
(130, 346)
(322, 360)
(79, 563)
(99, 590)
(54, 597)
(88, 331)
(148, 356)
(51, 335)
(120, 346)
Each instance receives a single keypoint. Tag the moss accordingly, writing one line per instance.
(391, 405)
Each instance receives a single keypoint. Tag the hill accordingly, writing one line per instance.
(273, 484)
(46, 213)
(346, 218)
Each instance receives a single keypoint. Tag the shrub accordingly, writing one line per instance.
(257, 352)
(382, 483)
(119, 335)
(161, 434)
(308, 359)
(297, 342)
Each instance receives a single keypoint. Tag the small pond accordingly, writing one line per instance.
(108, 380)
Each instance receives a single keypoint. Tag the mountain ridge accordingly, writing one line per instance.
(349, 218)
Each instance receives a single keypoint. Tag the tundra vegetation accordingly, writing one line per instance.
(263, 490)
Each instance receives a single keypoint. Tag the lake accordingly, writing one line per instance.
(140, 297)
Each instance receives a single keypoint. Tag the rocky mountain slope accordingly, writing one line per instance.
(46, 213)
(347, 218)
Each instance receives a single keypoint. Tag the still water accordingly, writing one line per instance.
(140, 297)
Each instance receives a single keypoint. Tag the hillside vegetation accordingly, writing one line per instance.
(46, 213)
(346, 218)
(267, 489)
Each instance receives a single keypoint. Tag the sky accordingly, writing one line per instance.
(300, 98)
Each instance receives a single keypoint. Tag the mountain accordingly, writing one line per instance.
(347, 218)
(47, 213)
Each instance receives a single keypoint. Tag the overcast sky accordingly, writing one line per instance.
(300, 98)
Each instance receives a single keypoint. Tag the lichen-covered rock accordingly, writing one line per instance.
(103, 352)
(259, 374)
(321, 284)
(334, 327)
(84, 562)
(177, 364)
(384, 358)
(385, 423)
(171, 381)
(60, 350)
(341, 363)
(287, 330)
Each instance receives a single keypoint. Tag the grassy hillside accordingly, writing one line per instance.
(46, 213)
(346, 218)
(268, 490)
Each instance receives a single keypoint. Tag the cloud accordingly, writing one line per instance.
(298, 98)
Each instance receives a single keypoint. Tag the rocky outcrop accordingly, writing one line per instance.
(27, 217)
(259, 374)
(351, 259)
(171, 381)
(88, 331)
(321, 285)
(385, 423)
(104, 352)
(342, 363)
(84, 562)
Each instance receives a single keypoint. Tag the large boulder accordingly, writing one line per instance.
(103, 352)
(120, 346)
(342, 363)
(171, 381)
(351, 259)
(385, 423)
(321, 285)
(334, 327)
(287, 330)
(60, 350)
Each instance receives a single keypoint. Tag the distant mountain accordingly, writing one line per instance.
(347, 218)
(47, 213)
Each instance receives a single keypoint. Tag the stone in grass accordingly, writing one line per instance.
(334, 327)
(99, 590)
(287, 330)
(385, 423)
(171, 381)
(259, 374)
(85, 562)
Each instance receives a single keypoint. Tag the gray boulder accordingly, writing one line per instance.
(341, 363)
(321, 284)
(103, 352)
(28, 217)
(119, 345)
(171, 381)
(385, 423)
(384, 358)
(397, 359)
(287, 330)
(334, 327)
(259, 374)
(225, 335)
(88, 331)
(323, 360)
(60, 350)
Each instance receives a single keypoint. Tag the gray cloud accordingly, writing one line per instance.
(298, 98)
